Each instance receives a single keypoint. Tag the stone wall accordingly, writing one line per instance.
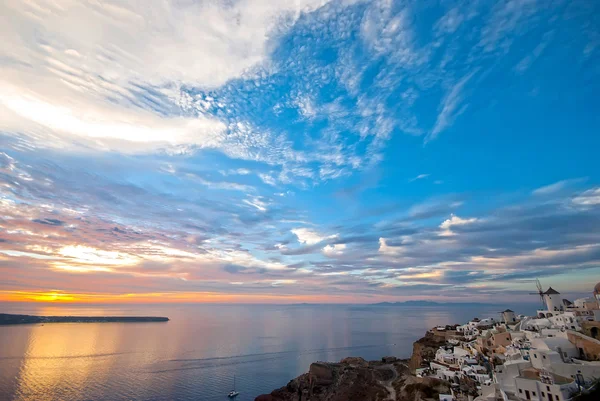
(589, 348)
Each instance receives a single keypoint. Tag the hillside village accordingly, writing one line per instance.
(553, 356)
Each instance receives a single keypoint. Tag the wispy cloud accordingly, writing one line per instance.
(419, 177)
(557, 186)
(450, 108)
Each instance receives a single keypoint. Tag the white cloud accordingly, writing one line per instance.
(202, 43)
(277, 283)
(256, 202)
(268, 179)
(591, 197)
(454, 220)
(386, 249)
(334, 250)
(450, 22)
(310, 237)
(450, 108)
(230, 186)
(104, 75)
(106, 122)
(239, 171)
(306, 107)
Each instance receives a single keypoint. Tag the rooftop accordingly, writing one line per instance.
(534, 374)
(551, 291)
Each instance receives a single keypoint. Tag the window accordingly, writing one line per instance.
(544, 356)
(533, 392)
(521, 391)
(548, 388)
(557, 397)
(543, 394)
(535, 355)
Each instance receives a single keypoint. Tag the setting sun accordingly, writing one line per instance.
(51, 297)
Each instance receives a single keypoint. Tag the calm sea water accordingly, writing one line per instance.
(196, 355)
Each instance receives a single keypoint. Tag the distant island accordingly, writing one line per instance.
(430, 303)
(9, 319)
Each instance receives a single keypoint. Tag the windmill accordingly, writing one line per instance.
(540, 291)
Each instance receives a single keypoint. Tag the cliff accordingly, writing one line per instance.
(424, 350)
(354, 379)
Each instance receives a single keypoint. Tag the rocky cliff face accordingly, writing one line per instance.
(354, 379)
(424, 350)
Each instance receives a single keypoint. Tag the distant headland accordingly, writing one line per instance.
(9, 319)
(431, 303)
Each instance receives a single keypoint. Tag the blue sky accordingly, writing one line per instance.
(318, 151)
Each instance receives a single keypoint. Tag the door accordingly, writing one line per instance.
(527, 395)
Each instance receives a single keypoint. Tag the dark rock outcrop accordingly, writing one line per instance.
(421, 388)
(354, 379)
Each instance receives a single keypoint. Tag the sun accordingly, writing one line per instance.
(53, 296)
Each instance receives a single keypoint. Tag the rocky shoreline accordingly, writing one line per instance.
(354, 379)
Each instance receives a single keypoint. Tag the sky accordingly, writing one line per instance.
(321, 151)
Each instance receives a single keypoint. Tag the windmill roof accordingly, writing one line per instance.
(551, 291)
(508, 310)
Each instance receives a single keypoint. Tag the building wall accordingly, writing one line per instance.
(543, 359)
(588, 347)
(506, 374)
(591, 329)
(589, 372)
(509, 317)
(554, 302)
(502, 339)
(524, 385)
(539, 391)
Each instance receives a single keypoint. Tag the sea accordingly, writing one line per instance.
(202, 350)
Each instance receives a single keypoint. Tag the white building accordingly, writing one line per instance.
(567, 320)
(509, 317)
(553, 300)
(585, 303)
(540, 385)
(597, 294)
(545, 352)
(506, 374)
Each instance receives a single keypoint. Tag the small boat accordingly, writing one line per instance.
(233, 393)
